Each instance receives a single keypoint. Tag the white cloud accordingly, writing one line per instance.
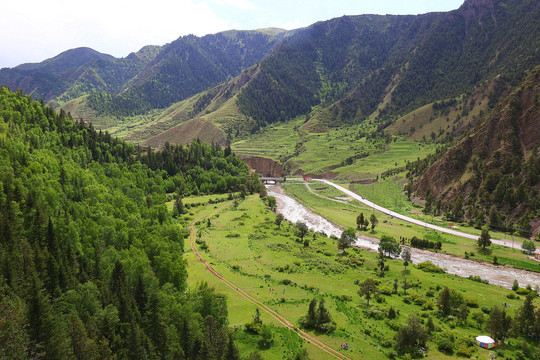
(35, 29)
(240, 4)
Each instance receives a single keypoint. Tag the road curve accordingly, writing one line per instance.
(355, 196)
(282, 320)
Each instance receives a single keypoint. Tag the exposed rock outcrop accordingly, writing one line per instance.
(264, 166)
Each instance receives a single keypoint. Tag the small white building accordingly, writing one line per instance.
(485, 342)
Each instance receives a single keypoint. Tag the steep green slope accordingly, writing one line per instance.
(185, 67)
(350, 64)
(91, 262)
(379, 68)
(491, 175)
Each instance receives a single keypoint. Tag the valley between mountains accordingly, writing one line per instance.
(365, 187)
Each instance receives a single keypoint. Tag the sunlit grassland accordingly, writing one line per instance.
(396, 155)
(271, 142)
(246, 247)
(345, 216)
(322, 152)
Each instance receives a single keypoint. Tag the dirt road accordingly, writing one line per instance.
(282, 320)
(503, 276)
(504, 242)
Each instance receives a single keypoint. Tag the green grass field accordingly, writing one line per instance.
(345, 216)
(245, 246)
(339, 152)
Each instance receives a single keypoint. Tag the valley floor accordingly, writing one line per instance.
(497, 275)
(240, 240)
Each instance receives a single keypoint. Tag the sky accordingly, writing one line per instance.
(35, 30)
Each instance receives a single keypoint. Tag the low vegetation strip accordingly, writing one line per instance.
(282, 320)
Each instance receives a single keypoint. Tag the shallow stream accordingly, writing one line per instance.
(503, 276)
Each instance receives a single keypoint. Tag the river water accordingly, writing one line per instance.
(503, 276)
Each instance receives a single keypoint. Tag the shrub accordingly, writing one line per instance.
(478, 317)
(512, 296)
(418, 299)
(477, 279)
(385, 290)
(525, 292)
(376, 314)
(428, 266)
(515, 285)
(425, 244)
(465, 349)
(472, 303)
(445, 343)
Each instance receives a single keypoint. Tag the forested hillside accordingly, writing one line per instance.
(353, 69)
(91, 263)
(491, 175)
(153, 77)
(350, 64)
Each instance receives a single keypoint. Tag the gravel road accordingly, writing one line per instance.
(503, 276)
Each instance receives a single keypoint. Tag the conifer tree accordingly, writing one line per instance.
(484, 240)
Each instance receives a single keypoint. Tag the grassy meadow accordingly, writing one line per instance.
(243, 243)
(343, 153)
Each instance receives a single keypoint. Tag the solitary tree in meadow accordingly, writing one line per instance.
(381, 263)
(279, 219)
(301, 229)
(179, 205)
(348, 237)
(406, 256)
(485, 239)
(443, 302)
(411, 335)
(367, 289)
(389, 246)
(499, 324)
(360, 221)
(528, 245)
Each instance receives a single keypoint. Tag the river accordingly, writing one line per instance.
(503, 276)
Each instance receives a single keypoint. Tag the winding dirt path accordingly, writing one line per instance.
(503, 242)
(280, 318)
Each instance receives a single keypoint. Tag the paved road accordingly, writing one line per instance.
(507, 243)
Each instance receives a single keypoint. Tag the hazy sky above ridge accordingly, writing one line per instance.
(35, 30)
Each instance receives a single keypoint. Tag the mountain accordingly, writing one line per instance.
(152, 77)
(378, 68)
(186, 67)
(49, 78)
(495, 168)
(411, 61)
(68, 59)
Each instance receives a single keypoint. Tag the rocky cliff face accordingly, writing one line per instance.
(264, 166)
